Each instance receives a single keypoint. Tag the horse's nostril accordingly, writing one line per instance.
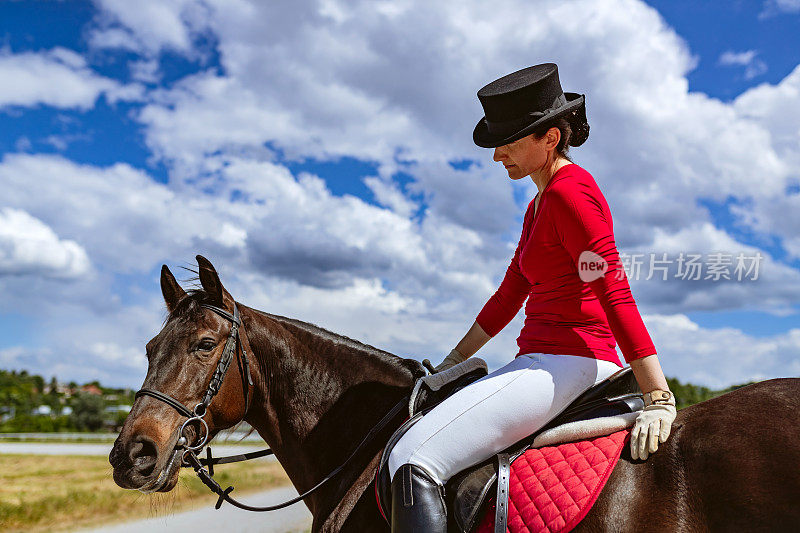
(143, 455)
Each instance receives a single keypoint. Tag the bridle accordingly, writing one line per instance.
(188, 454)
(214, 385)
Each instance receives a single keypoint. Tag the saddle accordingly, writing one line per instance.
(466, 492)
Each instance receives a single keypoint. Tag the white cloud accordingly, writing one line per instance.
(753, 66)
(740, 58)
(292, 228)
(775, 109)
(722, 356)
(777, 7)
(30, 247)
(334, 84)
(123, 218)
(82, 341)
(58, 78)
(771, 286)
(118, 356)
(387, 193)
(145, 70)
(148, 25)
(113, 38)
(23, 144)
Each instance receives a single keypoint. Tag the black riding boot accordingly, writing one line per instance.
(418, 504)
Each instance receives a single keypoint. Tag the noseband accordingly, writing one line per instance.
(188, 454)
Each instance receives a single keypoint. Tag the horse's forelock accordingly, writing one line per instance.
(188, 309)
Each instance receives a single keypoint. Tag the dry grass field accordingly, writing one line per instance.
(60, 493)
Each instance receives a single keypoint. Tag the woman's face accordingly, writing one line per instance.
(527, 155)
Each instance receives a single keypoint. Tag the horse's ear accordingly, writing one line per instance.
(173, 293)
(209, 279)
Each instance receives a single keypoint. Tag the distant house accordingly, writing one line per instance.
(92, 389)
(118, 409)
(45, 410)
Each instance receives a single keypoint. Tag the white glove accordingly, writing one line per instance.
(653, 425)
(453, 358)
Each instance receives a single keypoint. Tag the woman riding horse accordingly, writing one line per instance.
(567, 266)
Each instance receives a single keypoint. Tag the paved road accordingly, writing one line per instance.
(53, 448)
(295, 518)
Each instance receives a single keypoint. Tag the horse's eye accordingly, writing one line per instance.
(206, 345)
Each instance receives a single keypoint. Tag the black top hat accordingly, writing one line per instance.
(518, 103)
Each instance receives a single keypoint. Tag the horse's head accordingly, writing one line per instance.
(184, 360)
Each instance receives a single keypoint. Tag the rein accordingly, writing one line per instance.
(189, 454)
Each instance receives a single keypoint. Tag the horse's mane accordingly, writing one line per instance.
(323, 333)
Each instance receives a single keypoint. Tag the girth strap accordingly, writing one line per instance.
(501, 509)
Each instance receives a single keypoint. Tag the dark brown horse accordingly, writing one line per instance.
(730, 464)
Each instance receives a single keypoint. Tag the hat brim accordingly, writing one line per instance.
(484, 139)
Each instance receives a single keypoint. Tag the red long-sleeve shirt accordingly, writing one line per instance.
(565, 314)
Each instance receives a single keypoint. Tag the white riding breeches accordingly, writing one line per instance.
(496, 411)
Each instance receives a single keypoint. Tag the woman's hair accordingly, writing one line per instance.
(566, 134)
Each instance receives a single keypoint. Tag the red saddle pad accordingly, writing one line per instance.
(552, 488)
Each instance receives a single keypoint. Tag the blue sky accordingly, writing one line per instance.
(323, 160)
(713, 28)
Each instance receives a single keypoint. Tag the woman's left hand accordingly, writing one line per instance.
(652, 427)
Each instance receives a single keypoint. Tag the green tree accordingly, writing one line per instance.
(52, 398)
(87, 411)
(38, 383)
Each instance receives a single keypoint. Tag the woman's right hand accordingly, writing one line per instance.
(452, 359)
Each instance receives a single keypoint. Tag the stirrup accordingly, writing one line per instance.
(418, 502)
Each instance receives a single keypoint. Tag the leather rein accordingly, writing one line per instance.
(189, 454)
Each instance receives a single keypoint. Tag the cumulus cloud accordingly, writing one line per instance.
(58, 77)
(334, 84)
(30, 247)
(769, 286)
(119, 214)
(284, 226)
(722, 356)
(388, 194)
(776, 110)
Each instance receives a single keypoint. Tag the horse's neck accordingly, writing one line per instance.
(318, 399)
